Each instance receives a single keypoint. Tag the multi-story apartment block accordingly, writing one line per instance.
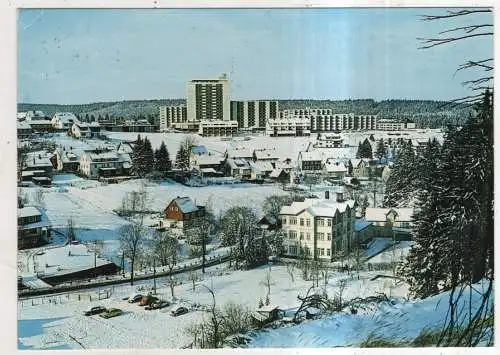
(253, 114)
(324, 120)
(293, 126)
(173, 117)
(208, 99)
(394, 125)
(319, 228)
(216, 128)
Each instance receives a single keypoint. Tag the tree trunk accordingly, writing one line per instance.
(132, 271)
(154, 276)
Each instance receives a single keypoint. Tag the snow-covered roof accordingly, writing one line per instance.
(82, 126)
(39, 122)
(29, 211)
(185, 204)
(268, 308)
(275, 173)
(235, 153)
(41, 158)
(318, 207)
(65, 117)
(262, 166)
(59, 261)
(125, 147)
(23, 125)
(265, 154)
(380, 214)
(103, 156)
(33, 211)
(335, 167)
(311, 156)
(208, 160)
(328, 208)
(238, 164)
(208, 170)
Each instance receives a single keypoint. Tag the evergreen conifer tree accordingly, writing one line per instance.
(148, 157)
(381, 151)
(162, 160)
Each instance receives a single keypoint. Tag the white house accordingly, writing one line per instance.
(63, 120)
(318, 228)
(80, 130)
(334, 169)
(97, 163)
(390, 217)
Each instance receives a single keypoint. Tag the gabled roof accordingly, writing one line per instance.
(235, 153)
(275, 173)
(185, 204)
(265, 154)
(311, 156)
(238, 164)
(29, 211)
(34, 159)
(380, 214)
(334, 167)
(318, 207)
(208, 160)
(261, 166)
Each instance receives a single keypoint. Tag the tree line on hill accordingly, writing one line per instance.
(425, 113)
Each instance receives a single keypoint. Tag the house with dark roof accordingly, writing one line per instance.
(33, 227)
(183, 211)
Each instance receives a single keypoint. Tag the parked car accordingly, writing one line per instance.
(147, 300)
(112, 312)
(135, 297)
(178, 310)
(95, 310)
(157, 305)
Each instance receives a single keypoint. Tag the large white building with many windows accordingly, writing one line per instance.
(253, 114)
(173, 117)
(319, 228)
(325, 120)
(208, 99)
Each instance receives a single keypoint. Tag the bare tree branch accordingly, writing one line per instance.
(433, 42)
(477, 63)
(466, 29)
(450, 14)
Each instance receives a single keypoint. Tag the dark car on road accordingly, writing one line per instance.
(134, 298)
(177, 311)
(95, 310)
(157, 305)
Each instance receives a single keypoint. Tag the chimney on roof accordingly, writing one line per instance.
(327, 195)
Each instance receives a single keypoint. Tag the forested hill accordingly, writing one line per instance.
(424, 112)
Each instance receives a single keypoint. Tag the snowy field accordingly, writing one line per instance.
(54, 325)
(286, 147)
(401, 321)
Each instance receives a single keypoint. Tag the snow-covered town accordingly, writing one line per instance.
(211, 222)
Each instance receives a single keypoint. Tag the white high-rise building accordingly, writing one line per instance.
(254, 114)
(208, 99)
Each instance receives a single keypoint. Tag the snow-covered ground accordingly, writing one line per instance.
(137, 328)
(401, 321)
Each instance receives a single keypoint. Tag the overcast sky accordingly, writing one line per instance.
(81, 56)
